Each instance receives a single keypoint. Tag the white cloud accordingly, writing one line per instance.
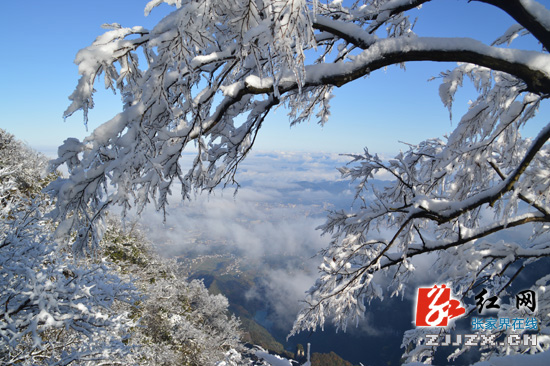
(283, 198)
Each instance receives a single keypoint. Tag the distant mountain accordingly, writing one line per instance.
(235, 288)
(328, 359)
(375, 346)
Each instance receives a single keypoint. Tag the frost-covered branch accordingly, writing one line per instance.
(172, 102)
(215, 70)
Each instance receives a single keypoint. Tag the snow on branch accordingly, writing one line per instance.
(215, 70)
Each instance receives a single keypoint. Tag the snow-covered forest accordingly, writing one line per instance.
(123, 305)
(81, 285)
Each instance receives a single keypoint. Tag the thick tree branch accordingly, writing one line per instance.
(350, 32)
(387, 260)
(531, 67)
(524, 198)
(492, 195)
(526, 17)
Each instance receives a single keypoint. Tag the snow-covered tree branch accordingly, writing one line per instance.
(207, 76)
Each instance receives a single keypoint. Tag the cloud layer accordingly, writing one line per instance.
(273, 218)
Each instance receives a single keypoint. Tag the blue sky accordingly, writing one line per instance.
(37, 73)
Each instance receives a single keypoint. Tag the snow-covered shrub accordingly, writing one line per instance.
(53, 309)
(179, 321)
